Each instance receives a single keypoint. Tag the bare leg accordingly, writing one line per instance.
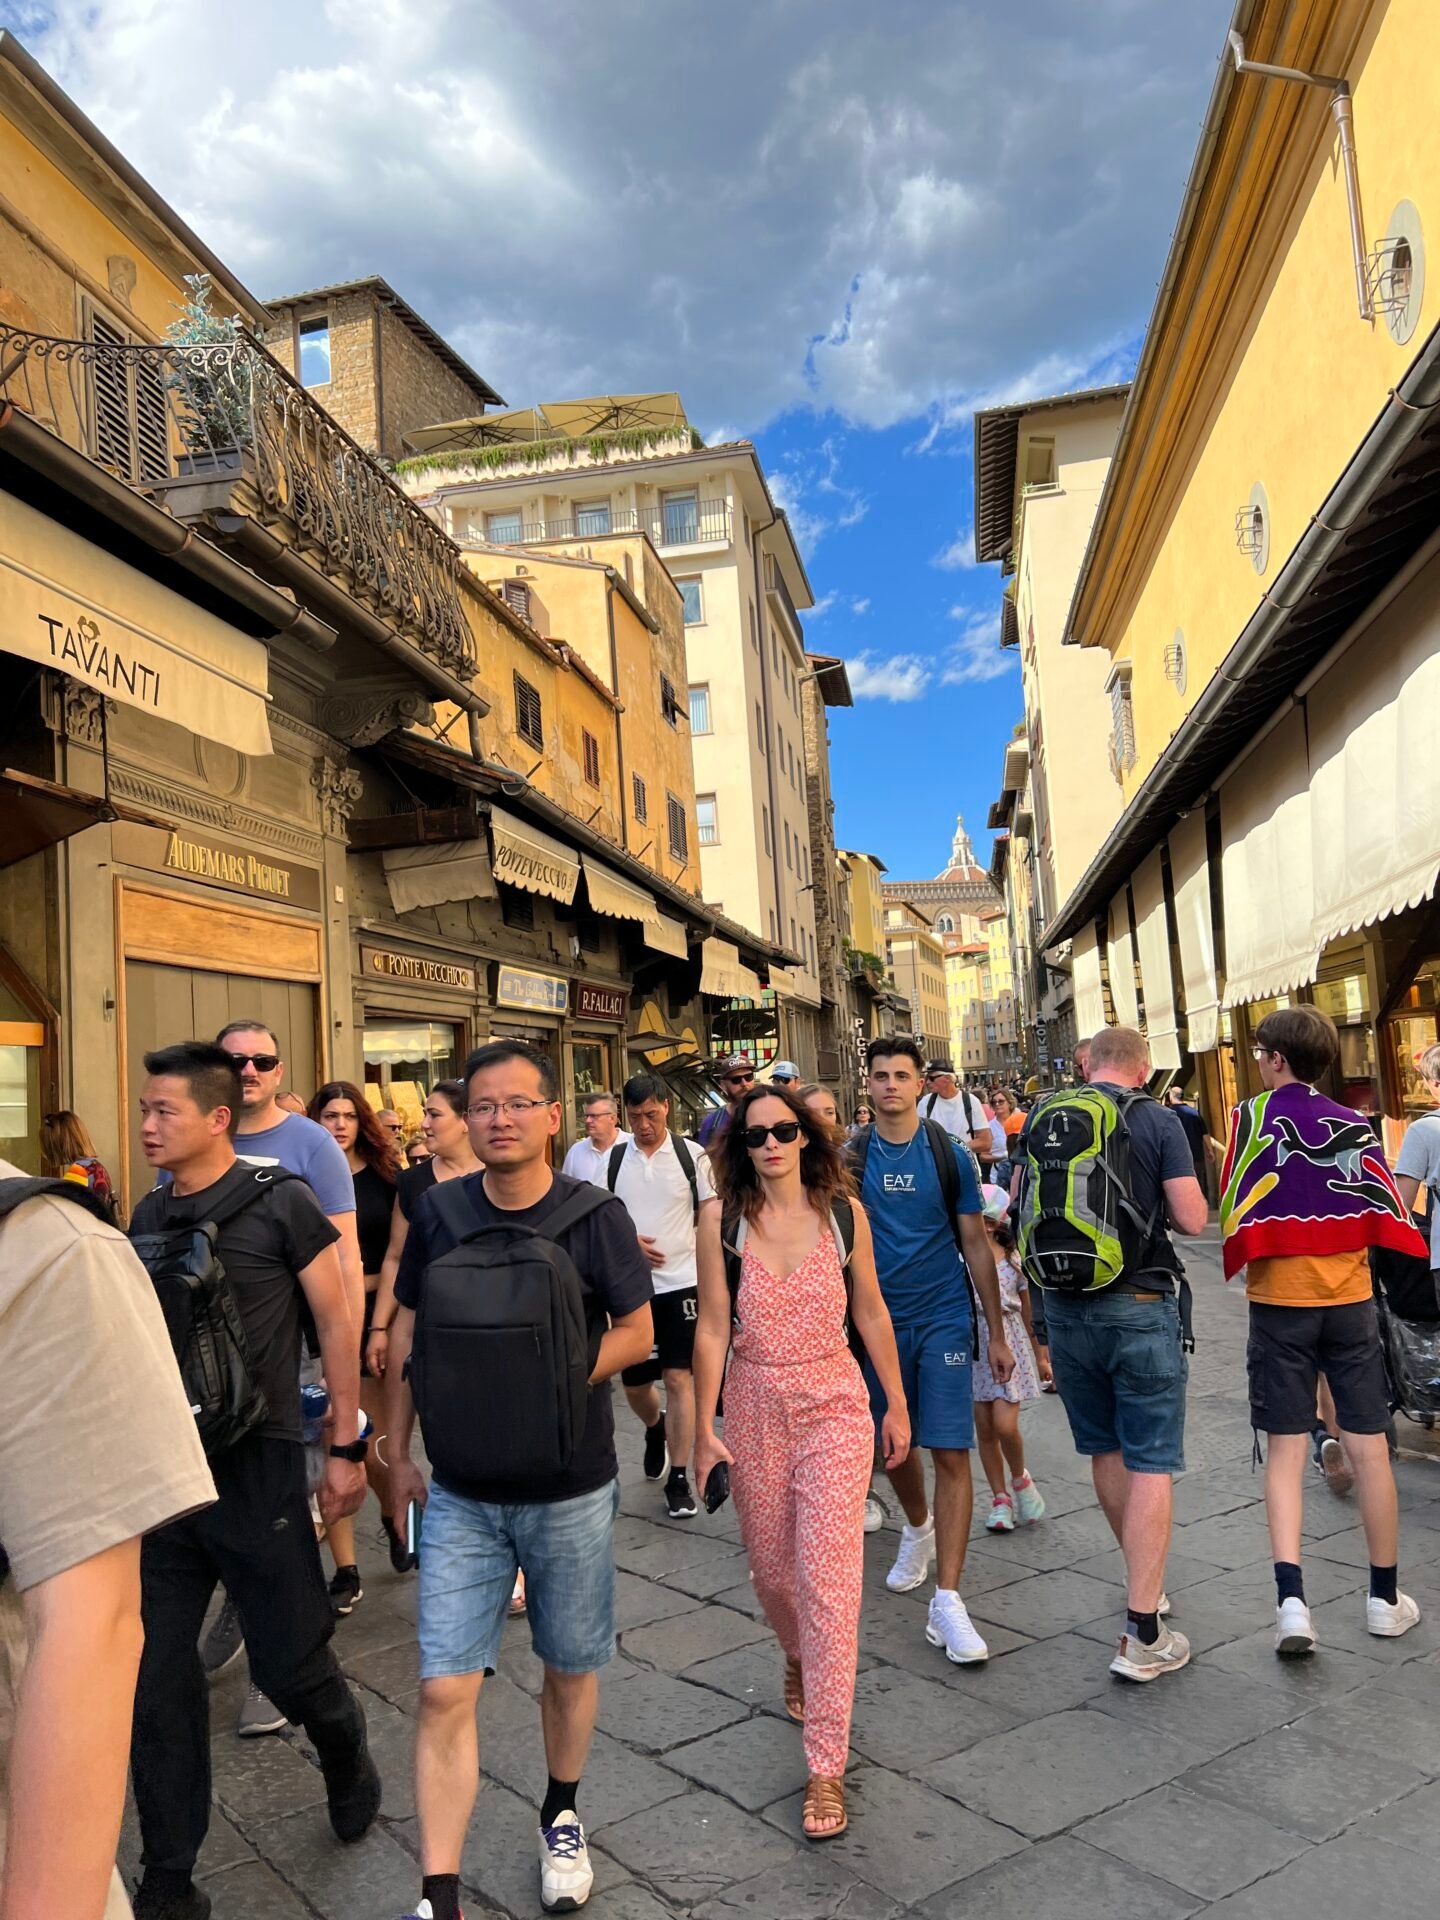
(1285, 1492)
(679, 1416)
(1148, 1512)
(644, 1403)
(568, 1705)
(1112, 1490)
(1007, 1432)
(447, 1768)
(908, 1483)
(1375, 1488)
(987, 1443)
(954, 1500)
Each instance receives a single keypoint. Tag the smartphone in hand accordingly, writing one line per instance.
(717, 1486)
(414, 1517)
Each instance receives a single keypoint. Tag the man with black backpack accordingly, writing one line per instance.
(1106, 1171)
(233, 1250)
(520, 1295)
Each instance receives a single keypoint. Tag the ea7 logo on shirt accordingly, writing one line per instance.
(898, 1182)
(954, 1359)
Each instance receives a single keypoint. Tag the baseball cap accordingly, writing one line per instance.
(734, 1063)
(938, 1066)
(996, 1202)
(785, 1070)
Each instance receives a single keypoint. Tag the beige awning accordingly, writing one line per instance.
(665, 935)
(1190, 876)
(525, 857)
(722, 974)
(1152, 936)
(66, 603)
(1120, 959)
(1085, 977)
(619, 899)
(783, 981)
(1374, 724)
(1266, 873)
(433, 876)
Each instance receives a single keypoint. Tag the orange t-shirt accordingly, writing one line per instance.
(1309, 1280)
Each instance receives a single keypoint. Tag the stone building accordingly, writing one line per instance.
(957, 897)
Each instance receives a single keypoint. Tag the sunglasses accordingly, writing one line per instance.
(738, 1079)
(784, 1131)
(262, 1062)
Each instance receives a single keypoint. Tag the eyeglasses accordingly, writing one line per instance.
(1262, 1053)
(516, 1108)
(262, 1062)
(393, 1126)
(784, 1131)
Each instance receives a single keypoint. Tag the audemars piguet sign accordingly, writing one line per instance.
(68, 605)
(216, 862)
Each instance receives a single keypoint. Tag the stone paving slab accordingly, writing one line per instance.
(1199, 1844)
(1061, 1880)
(1299, 1781)
(1348, 1878)
(703, 1844)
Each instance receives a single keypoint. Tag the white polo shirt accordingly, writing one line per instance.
(586, 1161)
(961, 1115)
(657, 1197)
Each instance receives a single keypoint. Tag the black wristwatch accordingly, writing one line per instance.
(354, 1451)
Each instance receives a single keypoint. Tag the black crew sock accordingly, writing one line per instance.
(1146, 1627)
(442, 1890)
(559, 1798)
(1382, 1583)
(1289, 1581)
(676, 1477)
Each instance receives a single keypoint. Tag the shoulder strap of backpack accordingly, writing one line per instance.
(930, 1100)
(733, 1231)
(942, 1149)
(452, 1204)
(858, 1153)
(262, 1180)
(614, 1164)
(22, 1187)
(574, 1207)
(842, 1225)
(687, 1167)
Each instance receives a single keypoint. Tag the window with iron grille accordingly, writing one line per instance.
(669, 705)
(131, 434)
(640, 800)
(517, 908)
(677, 827)
(1122, 724)
(528, 723)
(591, 748)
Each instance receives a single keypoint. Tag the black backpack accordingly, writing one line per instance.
(682, 1154)
(942, 1151)
(502, 1355)
(842, 1222)
(202, 1315)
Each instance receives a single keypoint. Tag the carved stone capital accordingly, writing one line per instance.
(76, 710)
(362, 715)
(339, 787)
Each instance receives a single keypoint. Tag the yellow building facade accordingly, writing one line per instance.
(915, 955)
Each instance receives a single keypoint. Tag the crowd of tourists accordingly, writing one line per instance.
(204, 1397)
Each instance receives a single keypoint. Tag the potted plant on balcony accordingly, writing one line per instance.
(208, 374)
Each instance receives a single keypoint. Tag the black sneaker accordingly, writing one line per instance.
(354, 1800)
(679, 1500)
(657, 1457)
(168, 1896)
(345, 1591)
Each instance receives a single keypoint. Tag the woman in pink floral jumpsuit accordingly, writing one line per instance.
(798, 1432)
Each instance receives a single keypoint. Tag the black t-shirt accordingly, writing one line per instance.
(262, 1250)
(411, 1183)
(616, 1278)
(374, 1206)
(1194, 1127)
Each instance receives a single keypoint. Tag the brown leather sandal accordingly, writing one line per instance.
(794, 1691)
(824, 1799)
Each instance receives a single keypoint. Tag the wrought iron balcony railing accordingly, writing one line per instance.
(678, 523)
(157, 415)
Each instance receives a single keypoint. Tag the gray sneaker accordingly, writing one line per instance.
(259, 1715)
(1135, 1661)
(224, 1643)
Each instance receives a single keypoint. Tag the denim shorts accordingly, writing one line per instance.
(1121, 1372)
(935, 1371)
(470, 1552)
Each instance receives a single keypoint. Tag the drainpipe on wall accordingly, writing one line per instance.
(619, 710)
(761, 621)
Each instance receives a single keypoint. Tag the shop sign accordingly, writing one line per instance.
(600, 1003)
(216, 863)
(414, 967)
(534, 992)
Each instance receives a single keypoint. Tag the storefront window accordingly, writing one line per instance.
(751, 1027)
(1415, 1026)
(591, 1060)
(404, 1060)
(1346, 999)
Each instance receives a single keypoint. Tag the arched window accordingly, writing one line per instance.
(945, 924)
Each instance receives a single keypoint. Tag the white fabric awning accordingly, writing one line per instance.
(664, 935)
(1190, 876)
(432, 876)
(1375, 750)
(783, 981)
(619, 899)
(1152, 936)
(1120, 959)
(67, 604)
(722, 974)
(1266, 874)
(1085, 974)
(525, 857)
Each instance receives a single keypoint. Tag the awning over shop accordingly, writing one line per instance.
(68, 604)
(1120, 959)
(619, 899)
(722, 974)
(1089, 992)
(1190, 876)
(664, 935)
(1375, 753)
(35, 814)
(1266, 873)
(783, 982)
(431, 876)
(525, 857)
(1153, 939)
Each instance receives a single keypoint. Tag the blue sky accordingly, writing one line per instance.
(836, 229)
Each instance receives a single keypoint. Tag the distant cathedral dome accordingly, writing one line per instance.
(963, 887)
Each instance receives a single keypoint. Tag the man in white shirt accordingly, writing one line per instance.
(664, 1180)
(588, 1158)
(959, 1113)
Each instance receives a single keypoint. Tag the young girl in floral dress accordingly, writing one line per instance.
(997, 1408)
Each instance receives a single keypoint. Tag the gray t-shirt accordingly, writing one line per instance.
(1419, 1159)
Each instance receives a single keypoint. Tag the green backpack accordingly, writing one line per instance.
(1079, 1227)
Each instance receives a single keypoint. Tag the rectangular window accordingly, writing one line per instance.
(676, 827)
(772, 923)
(692, 604)
(516, 595)
(504, 529)
(794, 943)
(591, 747)
(517, 908)
(769, 838)
(1040, 463)
(786, 826)
(780, 742)
(527, 712)
(592, 516)
(774, 651)
(705, 819)
(131, 426)
(699, 709)
(669, 705)
(760, 726)
(680, 518)
(639, 798)
(315, 352)
(754, 631)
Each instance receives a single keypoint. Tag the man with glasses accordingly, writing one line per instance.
(588, 1158)
(735, 1077)
(477, 1533)
(961, 1114)
(391, 1123)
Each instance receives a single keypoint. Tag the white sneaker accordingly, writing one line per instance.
(1163, 1605)
(874, 1514)
(912, 1562)
(1390, 1622)
(951, 1627)
(1002, 1514)
(1294, 1630)
(1135, 1661)
(566, 1876)
(1029, 1503)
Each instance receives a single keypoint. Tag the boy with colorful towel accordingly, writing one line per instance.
(1306, 1194)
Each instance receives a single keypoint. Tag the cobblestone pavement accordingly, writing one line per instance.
(1030, 1787)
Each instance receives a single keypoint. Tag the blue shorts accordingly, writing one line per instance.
(470, 1552)
(935, 1371)
(1121, 1372)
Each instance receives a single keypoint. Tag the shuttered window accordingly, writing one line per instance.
(679, 832)
(128, 421)
(591, 747)
(640, 798)
(527, 712)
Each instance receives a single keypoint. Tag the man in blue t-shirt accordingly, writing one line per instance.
(923, 1279)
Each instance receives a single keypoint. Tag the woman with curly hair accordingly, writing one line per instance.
(342, 1109)
(786, 1266)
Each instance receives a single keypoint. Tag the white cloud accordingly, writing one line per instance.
(823, 605)
(902, 676)
(977, 654)
(959, 555)
(859, 607)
